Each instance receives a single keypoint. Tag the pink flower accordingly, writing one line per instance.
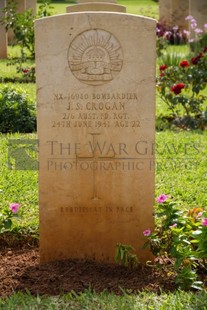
(162, 198)
(175, 28)
(199, 214)
(186, 32)
(198, 31)
(204, 222)
(14, 207)
(147, 232)
(193, 24)
(189, 17)
(173, 225)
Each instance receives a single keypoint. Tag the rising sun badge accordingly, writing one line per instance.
(95, 57)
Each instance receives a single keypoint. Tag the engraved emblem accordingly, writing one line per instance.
(95, 57)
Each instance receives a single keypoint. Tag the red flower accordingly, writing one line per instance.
(25, 71)
(176, 89)
(196, 59)
(163, 67)
(205, 49)
(184, 64)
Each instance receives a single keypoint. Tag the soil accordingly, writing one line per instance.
(20, 271)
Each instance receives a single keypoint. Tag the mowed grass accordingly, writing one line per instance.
(18, 185)
(90, 300)
(147, 8)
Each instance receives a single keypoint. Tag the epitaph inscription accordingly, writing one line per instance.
(95, 57)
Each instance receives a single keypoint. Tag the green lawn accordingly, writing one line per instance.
(179, 300)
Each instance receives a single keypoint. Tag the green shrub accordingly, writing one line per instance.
(17, 111)
(182, 87)
(22, 25)
(181, 236)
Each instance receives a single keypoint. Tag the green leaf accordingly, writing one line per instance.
(198, 285)
(186, 241)
(8, 224)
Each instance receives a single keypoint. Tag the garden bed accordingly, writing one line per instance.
(20, 271)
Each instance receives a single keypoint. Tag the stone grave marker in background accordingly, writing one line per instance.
(31, 5)
(198, 9)
(165, 15)
(3, 34)
(92, 1)
(96, 125)
(22, 5)
(180, 10)
(96, 7)
(174, 12)
(20, 8)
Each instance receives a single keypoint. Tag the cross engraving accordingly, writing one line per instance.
(95, 158)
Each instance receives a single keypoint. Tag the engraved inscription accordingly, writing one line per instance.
(95, 57)
(82, 209)
(96, 110)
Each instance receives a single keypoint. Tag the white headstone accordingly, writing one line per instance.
(31, 5)
(92, 1)
(198, 9)
(96, 125)
(173, 13)
(95, 6)
(20, 8)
